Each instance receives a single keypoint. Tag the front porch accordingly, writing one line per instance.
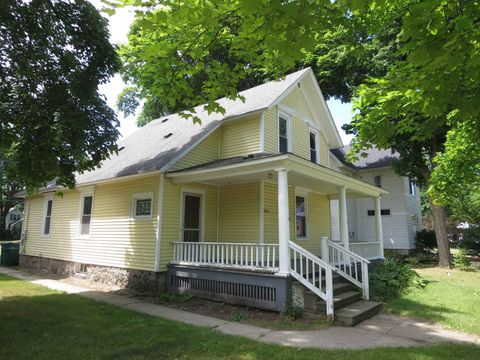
(286, 199)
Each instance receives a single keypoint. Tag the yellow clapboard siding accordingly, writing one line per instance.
(115, 239)
(171, 219)
(204, 152)
(239, 219)
(300, 134)
(324, 151)
(240, 137)
(270, 130)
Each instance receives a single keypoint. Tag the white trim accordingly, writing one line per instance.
(218, 212)
(289, 130)
(304, 194)
(133, 205)
(262, 214)
(159, 222)
(317, 143)
(285, 93)
(83, 194)
(301, 115)
(262, 133)
(46, 199)
(192, 191)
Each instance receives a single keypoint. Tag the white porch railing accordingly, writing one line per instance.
(351, 266)
(313, 273)
(367, 250)
(232, 255)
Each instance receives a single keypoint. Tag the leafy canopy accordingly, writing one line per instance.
(53, 121)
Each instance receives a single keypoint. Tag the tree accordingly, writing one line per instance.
(8, 188)
(419, 91)
(53, 122)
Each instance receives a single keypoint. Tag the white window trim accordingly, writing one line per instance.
(133, 206)
(289, 130)
(410, 188)
(304, 194)
(46, 199)
(317, 143)
(80, 215)
(201, 193)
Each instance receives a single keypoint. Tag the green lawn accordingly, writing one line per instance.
(451, 298)
(37, 323)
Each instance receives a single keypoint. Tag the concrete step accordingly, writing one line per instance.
(358, 311)
(314, 303)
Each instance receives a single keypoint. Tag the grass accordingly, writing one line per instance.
(38, 323)
(451, 298)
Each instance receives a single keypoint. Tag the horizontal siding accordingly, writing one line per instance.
(171, 220)
(324, 151)
(300, 133)
(204, 152)
(240, 137)
(115, 239)
(240, 213)
(270, 130)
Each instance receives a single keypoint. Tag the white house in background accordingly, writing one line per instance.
(13, 217)
(401, 211)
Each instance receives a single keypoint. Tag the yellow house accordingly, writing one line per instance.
(232, 208)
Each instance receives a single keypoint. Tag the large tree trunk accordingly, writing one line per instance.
(441, 235)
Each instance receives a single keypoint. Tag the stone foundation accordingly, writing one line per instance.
(141, 281)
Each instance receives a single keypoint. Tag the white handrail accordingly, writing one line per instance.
(367, 250)
(231, 255)
(346, 263)
(310, 270)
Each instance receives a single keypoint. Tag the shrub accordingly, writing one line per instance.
(412, 260)
(391, 278)
(293, 309)
(461, 261)
(471, 239)
(426, 240)
(238, 316)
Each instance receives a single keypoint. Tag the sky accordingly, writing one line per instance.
(119, 25)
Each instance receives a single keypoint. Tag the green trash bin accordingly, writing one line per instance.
(9, 254)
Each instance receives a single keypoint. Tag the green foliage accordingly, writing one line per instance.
(53, 121)
(391, 279)
(461, 261)
(470, 239)
(238, 316)
(174, 298)
(426, 240)
(293, 309)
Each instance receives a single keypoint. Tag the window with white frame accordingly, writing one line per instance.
(300, 217)
(86, 214)
(142, 205)
(378, 180)
(411, 187)
(47, 216)
(314, 146)
(283, 133)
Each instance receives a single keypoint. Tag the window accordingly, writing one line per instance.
(142, 205)
(283, 133)
(86, 215)
(314, 156)
(378, 180)
(385, 212)
(371, 212)
(300, 217)
(411, 187)
(48, 216)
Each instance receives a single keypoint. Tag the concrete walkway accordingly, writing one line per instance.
(379, 331)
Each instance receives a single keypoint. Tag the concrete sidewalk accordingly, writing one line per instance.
(379, 331)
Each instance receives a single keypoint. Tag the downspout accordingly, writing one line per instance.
(159, 222)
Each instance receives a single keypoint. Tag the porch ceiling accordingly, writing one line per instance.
(302, 173)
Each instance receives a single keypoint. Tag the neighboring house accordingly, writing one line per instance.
(13, 218)
(400, 209)
(230, 209)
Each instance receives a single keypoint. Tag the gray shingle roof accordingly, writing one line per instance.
(375, 158)
(156, 144)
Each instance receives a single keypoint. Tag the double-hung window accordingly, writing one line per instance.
(86, 215)
(142, 205)
(300, 217)
(411, 187)
(283, 133)
(47, 216)
(314, 153)
(378, 181)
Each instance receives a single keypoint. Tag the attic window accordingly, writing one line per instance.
(167, 136)
(164, 120)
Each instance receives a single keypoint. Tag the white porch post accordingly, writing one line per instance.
(283, 223)
(378, 224)
(342, 202)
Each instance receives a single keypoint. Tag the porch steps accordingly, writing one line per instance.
(357, 312)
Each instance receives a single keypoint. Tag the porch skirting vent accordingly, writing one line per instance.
(242, 288)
